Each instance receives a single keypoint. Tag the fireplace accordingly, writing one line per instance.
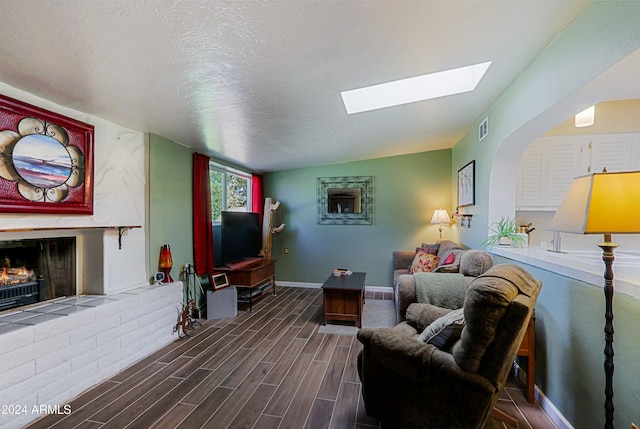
(36, 270)
(25, 293)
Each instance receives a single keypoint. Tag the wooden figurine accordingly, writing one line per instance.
(185, 319)
(267, 226)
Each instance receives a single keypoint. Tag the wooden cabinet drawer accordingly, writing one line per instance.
(252, 274)
(262, 273)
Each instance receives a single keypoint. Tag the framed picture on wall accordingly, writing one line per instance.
(46, 161)
(467, 185)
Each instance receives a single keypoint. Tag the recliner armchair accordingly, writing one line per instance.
(408, 384)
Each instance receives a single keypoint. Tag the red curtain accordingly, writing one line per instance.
(202, 225)
(257, 195)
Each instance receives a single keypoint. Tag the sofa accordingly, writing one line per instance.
(470, 263)
(444, 368)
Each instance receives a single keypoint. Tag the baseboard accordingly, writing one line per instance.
(551, 410)
(319, 285)
(547, 406)
(378, 289)
(298, 284)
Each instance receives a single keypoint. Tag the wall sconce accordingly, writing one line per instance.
(166, 262)
(440, 216)
(462, 219)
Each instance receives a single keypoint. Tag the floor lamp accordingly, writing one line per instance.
(602, 203)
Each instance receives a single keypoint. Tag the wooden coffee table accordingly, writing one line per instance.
(343, 298)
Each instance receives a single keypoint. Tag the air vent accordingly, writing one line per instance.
(483, 129)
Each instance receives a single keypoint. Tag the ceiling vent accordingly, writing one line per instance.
(483, 129)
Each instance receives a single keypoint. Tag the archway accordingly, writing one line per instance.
(617, 83)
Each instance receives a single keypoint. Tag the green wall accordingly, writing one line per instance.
(570, 350)
(408, 189)
(170, 202)
(544, 95)
(570, 314)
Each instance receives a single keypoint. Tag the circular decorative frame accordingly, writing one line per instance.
(46, 161)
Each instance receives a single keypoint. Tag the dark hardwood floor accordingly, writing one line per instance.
(266, 369)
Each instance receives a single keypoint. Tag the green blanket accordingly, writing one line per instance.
(441, 289)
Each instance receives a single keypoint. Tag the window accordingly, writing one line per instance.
(230, 190)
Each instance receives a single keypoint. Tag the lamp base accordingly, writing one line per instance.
(167, 275)
(608, 257)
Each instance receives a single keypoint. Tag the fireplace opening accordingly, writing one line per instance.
(36, 270)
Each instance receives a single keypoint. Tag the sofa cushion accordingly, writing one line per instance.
(475, 262)
(423, 262)
(445, 330)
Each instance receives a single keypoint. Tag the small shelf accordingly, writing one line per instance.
(121, 229)
(245, 293)
(461, 219)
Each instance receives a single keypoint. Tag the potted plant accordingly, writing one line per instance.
(505, 233)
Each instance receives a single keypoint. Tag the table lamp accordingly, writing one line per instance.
(602, 203)
(166, 262)
(440, 216)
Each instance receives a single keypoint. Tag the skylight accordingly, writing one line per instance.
(419, 88)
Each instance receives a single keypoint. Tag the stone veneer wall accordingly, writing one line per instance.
(52, 352)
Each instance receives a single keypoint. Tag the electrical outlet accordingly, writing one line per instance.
(182, 268)
(286, 250)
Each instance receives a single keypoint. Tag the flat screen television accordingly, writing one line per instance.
(239, 237)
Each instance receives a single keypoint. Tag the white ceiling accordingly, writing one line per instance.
(258, 82)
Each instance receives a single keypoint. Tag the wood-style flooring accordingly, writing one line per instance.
(265, 369)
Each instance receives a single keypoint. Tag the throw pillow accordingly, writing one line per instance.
(449, 259)
(444, 331)
(454, 266)
(432, 249)
(423, 262)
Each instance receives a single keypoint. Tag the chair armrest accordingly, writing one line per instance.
(401, 259)
(399, 353)
(406, 295)
(415, 360)
(421, 315)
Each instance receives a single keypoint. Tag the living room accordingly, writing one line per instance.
(145, 180)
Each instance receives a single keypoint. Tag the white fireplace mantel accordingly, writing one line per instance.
(121, 230)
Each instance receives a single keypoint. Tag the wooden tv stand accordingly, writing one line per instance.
(252, 277)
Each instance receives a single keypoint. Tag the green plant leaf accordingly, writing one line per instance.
(505, 227)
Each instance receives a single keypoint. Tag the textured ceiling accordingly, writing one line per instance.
(258, 83)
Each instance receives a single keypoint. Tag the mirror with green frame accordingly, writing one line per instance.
(345, 200)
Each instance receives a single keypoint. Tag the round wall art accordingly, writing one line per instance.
(45, 161)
